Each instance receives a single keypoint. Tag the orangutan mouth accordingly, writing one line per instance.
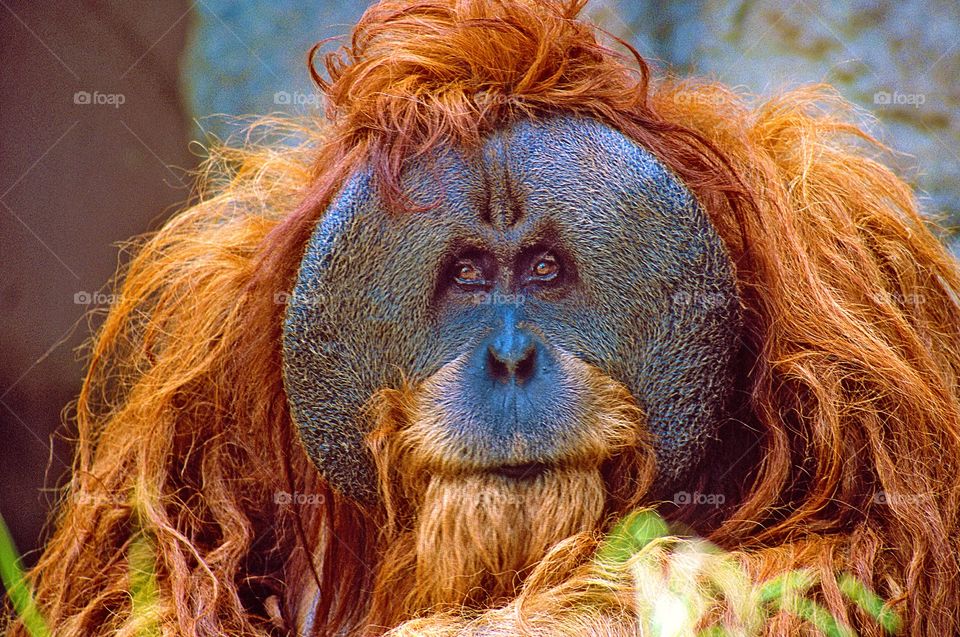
(522, 471)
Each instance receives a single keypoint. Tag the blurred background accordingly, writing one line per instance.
(100, 100)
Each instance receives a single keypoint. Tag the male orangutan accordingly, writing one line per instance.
(408, 375)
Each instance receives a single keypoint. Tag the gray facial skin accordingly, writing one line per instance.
(646, 293)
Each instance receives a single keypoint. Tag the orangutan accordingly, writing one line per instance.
(407, 375)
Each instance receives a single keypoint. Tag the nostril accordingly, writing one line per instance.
(525, 367)
(518, 367)
(498, 368)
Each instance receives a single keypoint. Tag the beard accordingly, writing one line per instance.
(465, 538)
(477, 536)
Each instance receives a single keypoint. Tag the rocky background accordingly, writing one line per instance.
(101, 99)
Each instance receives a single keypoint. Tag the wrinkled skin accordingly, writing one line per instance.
(558, 238)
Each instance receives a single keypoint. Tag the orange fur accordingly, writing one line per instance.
(852, 353)
(457, 537)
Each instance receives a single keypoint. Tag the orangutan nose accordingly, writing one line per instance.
(512, 356)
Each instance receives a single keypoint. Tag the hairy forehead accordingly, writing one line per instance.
(548, 167)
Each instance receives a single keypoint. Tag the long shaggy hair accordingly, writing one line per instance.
(849, 397)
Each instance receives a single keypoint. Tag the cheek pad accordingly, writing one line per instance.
(659, 311)
(357, 317)
(664, 294)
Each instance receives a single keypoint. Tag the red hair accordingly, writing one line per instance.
(852, 337)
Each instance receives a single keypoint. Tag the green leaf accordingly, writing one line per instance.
(17, 588)
(871, 603)
(821, 618)
(144, 592)
(791, 583)
(630, 535)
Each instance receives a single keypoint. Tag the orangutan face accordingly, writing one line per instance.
(552, 298)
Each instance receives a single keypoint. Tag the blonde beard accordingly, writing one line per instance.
(478, 536)
(455, 539)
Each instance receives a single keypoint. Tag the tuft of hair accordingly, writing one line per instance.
(851, 350)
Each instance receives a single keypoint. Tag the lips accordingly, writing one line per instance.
(521, 471)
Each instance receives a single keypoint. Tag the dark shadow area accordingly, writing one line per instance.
(94, 151)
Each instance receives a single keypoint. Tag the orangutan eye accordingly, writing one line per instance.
(545, 267)
(467, 272)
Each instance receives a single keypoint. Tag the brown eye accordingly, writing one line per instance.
(546, 267)
(467, 273)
